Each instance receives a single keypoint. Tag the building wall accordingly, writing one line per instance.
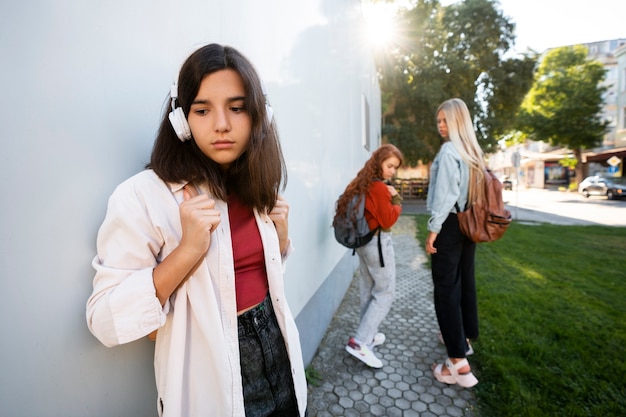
(620, 135)
(603, 51)
(87, 84)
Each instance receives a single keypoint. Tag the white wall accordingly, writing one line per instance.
(84, 85)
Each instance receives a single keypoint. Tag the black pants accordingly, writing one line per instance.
(265, 367)
(455, 287)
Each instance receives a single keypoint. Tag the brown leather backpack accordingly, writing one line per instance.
(487, 220)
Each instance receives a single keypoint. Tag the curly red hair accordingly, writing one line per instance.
(371, 171)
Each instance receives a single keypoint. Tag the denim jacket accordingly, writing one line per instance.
(449, 184)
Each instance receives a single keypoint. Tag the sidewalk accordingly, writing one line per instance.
(405, 386)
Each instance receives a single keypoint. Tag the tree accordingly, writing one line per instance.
(452, 51)
(564, 104)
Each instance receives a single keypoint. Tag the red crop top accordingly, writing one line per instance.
(251, 285)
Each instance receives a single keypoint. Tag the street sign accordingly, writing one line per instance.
(515, 159)
(614, 161)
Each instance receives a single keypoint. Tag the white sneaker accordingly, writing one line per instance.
(379, 339)
(363, 353)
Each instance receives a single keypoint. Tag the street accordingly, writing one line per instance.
(561, 207)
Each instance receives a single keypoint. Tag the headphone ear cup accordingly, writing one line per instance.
(179, 123)
(270, 112)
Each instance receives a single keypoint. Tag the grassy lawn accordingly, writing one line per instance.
(552, 309)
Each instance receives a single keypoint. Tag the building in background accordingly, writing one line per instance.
(539, 163)
(620, 133)
(602, 159)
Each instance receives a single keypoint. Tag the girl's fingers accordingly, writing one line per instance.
(189, 192)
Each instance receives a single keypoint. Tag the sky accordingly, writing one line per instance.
(543, 24)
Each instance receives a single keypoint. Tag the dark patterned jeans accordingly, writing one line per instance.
(265, 367)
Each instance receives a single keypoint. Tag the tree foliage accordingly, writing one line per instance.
(446, 52)
(565, 102)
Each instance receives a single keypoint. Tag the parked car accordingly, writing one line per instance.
(507, 184)
(613, 188)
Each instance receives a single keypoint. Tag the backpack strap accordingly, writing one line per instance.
(380, 250)
(380, 246)
(456, 205)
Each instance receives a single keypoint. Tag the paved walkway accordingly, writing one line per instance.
(405, 386)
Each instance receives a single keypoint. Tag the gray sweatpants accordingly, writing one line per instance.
(377, 285)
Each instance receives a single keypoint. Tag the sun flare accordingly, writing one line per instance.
(380, 22)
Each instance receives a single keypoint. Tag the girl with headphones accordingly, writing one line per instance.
(194, 247)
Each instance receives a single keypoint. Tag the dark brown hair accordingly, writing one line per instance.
(370, 171)
(259, 174)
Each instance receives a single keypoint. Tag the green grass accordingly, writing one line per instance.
(313, 377)
(552, 309)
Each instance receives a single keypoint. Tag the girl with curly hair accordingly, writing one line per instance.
(376, 282)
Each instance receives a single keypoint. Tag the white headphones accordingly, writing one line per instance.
(177, 117)
(179, 121)
(268, 109)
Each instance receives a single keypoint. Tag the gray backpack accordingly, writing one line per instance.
(354, 232)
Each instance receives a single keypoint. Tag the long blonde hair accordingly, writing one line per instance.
(463, 137)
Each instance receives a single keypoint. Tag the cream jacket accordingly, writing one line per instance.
(196, 357)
